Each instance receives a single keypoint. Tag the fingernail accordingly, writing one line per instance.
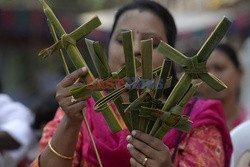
(133, 133)
(84, 69)
(132, 160)
(129, 138)
(129, 146)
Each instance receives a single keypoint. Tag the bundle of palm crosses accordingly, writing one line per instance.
(147, 109)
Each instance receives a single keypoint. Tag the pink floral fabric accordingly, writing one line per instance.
(203, 146)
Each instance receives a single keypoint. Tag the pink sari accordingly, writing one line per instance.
(113, 146)
(209, 138)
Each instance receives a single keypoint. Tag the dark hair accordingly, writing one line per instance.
(158, 10)
(230, 53)
(164, 15)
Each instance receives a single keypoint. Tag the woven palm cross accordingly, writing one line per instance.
(145, 110)
(159, 119)
(68, 43)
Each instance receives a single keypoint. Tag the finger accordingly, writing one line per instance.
(134, 163)
(153, 142)
(67, 102)
(76, 109)
(138, 157)
(70, 102)
(143, 147)
(75, 85)
(65, 92)
(82, 98)
(71, 78)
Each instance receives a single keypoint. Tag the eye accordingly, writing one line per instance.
(154, 36)
(219, 68)
(156, 42)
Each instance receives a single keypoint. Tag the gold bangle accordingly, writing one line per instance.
(58, 154)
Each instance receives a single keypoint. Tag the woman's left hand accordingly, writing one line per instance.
(147, 151)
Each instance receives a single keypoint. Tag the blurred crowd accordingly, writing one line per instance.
(21, 128)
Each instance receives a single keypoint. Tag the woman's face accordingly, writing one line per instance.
(223, 68)
(144, 25)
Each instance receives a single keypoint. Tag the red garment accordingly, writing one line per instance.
(201, 147)
(206, 112)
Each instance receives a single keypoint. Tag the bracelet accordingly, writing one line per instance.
(58, 154)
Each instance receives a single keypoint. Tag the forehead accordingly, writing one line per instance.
(142, 21)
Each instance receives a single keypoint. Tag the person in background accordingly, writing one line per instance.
(45, 111)
(224, 63)
(245, 60)
(15, 130)
(65, 141)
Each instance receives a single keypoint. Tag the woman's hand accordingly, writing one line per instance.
(70, 106)
(147, 151)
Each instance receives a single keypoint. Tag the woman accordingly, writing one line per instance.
(224, 64)
(201, 147)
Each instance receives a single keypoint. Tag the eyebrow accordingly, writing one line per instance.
(122, 30)
(151, 34)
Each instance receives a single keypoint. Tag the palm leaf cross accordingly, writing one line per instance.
(170, 115)
(68, 42)
(196, 65)
(145, 111)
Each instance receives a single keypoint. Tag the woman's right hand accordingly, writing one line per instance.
(72, 108)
